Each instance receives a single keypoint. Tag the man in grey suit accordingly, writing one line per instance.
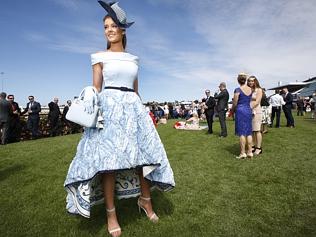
(222, 106)
(5, 111)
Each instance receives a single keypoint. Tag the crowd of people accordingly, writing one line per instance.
(203, 110)
(15, 127)
(252, 110)
(305, 105)
(13, 122)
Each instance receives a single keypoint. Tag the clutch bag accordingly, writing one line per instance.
(77, 113)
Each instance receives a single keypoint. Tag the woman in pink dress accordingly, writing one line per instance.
(255, 104)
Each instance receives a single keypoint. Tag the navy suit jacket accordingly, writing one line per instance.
(210, 103)
(36, 108)
(288, 99)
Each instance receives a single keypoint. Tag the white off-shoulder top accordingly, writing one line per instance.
(119, 68)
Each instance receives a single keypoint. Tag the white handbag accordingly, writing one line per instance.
(77, 113)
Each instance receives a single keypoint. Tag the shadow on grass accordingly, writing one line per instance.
(233, 149)
(11, 170)
(310, 120)
(127, 212)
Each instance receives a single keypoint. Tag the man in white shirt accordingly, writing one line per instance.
(276, 101)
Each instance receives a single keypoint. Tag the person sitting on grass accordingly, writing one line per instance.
(193, 122)
(190, 124)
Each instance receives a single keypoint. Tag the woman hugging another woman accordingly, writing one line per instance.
(253, 83)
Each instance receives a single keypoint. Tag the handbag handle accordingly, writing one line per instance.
(82, 93)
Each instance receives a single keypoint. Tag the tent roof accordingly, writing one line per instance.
(309, 89)
(292, 86)
(310, 79)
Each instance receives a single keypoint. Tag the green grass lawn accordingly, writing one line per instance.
(215, 194)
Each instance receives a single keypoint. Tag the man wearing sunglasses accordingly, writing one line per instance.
(33, 109)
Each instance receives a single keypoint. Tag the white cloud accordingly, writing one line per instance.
(36, 37)
(68, 4)
(164, 2)
(72, 38)
(271, 39)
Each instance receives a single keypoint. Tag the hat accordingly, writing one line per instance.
(116, 13)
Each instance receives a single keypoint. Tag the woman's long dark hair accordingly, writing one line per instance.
(124, 39)
(255, 80)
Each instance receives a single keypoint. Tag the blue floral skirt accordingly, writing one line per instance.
(128, 141)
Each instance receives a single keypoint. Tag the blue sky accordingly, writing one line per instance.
(184, 46)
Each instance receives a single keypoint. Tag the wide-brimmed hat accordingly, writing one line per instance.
(116, 13)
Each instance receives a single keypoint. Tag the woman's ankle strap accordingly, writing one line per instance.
(145, 198)
(110, 210)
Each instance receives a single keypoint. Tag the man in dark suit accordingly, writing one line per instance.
(5, 111)
(209, 110)
(14, 131)
(53, 117)
(287, 108)
(222, 107)
(69, 126)
(33, 109)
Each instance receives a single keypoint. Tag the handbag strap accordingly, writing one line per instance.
(81, 95)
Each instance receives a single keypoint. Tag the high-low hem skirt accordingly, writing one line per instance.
(127, 143)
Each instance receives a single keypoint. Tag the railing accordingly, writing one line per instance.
(64, 127)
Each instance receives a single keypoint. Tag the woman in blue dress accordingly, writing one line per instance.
(243, 117)
(126, 158)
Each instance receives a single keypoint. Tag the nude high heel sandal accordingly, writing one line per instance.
(241, 156)
(250, 155)
(258, 153)
(116, 232)
(153, 218)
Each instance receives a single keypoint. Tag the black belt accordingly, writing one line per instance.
(119, 88)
